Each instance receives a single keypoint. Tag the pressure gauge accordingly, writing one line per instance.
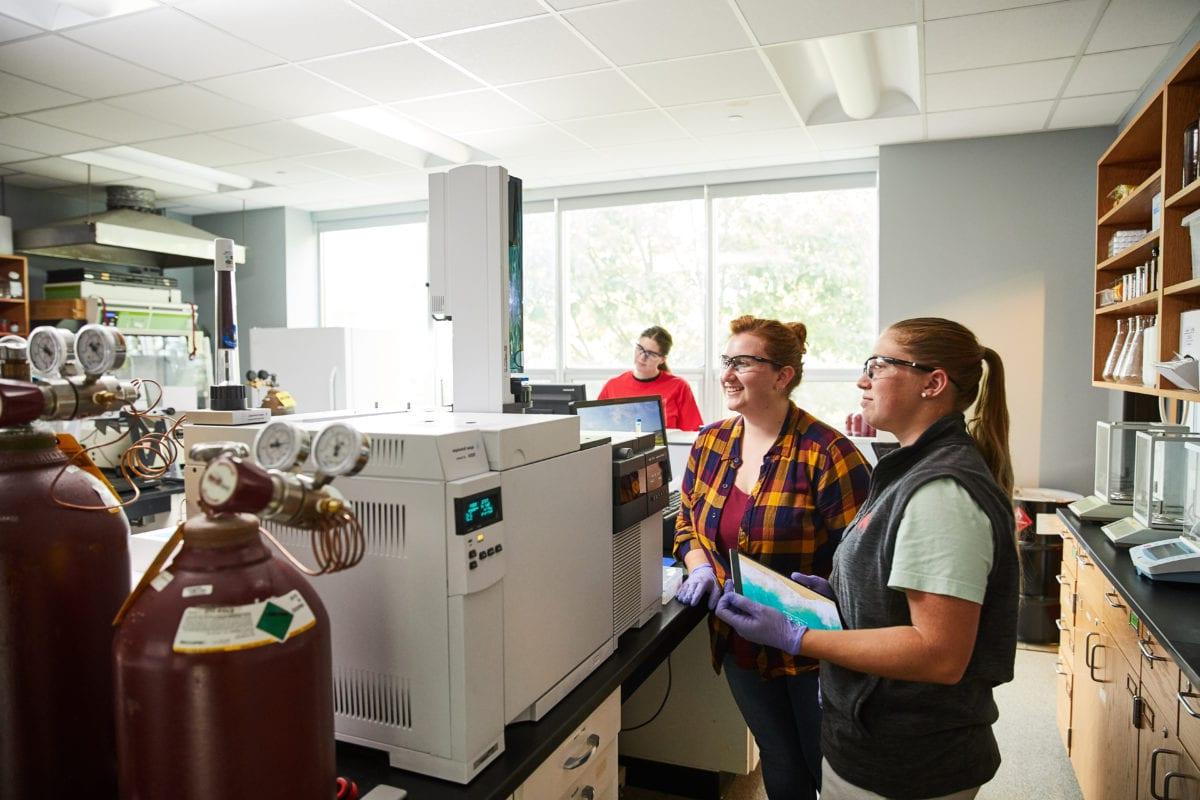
(281, 445)
(341, 450)
(218, 483)
(50, 349)
(100, 349)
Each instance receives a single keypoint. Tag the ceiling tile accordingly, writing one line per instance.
(704, 78)
(867, 132)
(522, 51)
(564, 5)
(469, 111)
(295, 29)
(286, 91)
(586, 95)
(355, 163)
(202, 148)
(651, 154)
(191, 107)
(280, 172)
(996, 86)
(70, 66)
(529, 140)
(1118, 71)
(106, 122)
(70, 171)
(397, 72)
(280, 139)
(43, 138)
(622, 129)
(792, 142)
(653, 30)
(441, 16)
(1035, 33)
(173, 43)
(995, 121)
(8, 154)
(1098, 109)
(1136, 23)
(18, 95)
(938, 9)
(13, 29)
(735, 116)
(775, 21)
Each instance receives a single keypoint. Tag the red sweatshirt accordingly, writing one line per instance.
(679, 405)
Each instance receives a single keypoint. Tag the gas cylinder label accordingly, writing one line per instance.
(216, 629)
(198, 591)
(161, 580)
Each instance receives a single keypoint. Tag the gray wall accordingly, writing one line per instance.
(999, 234)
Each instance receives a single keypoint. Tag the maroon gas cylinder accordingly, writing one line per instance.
(63, 575)
(224, 681)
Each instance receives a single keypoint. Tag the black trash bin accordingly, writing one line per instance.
(1041, 559)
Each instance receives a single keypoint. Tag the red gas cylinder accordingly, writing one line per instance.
(63, 575)
(224, 675)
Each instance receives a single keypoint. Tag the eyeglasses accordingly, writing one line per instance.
(876, 362)
(641, 351)
(740, 364)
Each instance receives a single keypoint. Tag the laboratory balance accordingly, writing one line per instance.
(1178, 559)
(1112, 495)
(1159, 485)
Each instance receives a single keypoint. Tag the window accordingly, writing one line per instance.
(626, 268)
(541, 319)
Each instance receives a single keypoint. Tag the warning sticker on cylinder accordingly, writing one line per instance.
(218, 629)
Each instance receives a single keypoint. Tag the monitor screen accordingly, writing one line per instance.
(555, 398)
(624, 414)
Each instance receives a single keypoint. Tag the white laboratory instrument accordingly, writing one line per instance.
(1178, 559)
(1159, 485)
(479, 600)
(640, 476)
(875, 447)
(1112, 495)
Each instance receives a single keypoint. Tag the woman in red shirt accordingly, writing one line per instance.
(650, 375)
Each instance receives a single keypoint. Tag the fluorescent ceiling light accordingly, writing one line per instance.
(163, 168)
(383, 131)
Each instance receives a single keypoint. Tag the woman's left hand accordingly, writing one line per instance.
(758, 623)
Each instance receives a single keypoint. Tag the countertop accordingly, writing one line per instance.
(527, 744)
(1170, 610)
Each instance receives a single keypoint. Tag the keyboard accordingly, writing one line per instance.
(672, 507)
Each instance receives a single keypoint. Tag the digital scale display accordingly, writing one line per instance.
(1168, 550)
(477, 511)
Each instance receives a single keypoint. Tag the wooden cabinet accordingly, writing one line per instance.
(1148, 155)
(14, 295)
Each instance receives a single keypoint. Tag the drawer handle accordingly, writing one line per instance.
(1158, 751)
(1183, 701)
(587, 793)
(1087, 649)
(1058, 623)
(1144, 646)
(1058, 668)
(1108, 596)
(575, 762)
(1062, 580)
(1081, 559)
(1167, 783)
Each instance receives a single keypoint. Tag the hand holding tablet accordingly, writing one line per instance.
(797, 602)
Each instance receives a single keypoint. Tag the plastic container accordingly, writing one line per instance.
(1192, 221)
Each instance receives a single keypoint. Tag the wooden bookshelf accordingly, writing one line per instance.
(14, 310)
(1148, 155)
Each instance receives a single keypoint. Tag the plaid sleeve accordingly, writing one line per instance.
(685, 529)
(843, 485)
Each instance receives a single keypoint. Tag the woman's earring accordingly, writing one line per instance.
(924, 394)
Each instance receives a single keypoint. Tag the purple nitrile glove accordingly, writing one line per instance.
(701, 583)
(816, 583)
(760, 624)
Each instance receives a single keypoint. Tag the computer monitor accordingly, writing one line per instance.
(624, 414)
(555, 398)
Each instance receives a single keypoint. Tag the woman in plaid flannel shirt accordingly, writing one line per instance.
(779, 485)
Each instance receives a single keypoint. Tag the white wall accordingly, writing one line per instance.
(999, 234)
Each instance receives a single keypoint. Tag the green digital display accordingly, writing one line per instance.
(477, 511)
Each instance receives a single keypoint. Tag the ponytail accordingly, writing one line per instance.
(989, 426)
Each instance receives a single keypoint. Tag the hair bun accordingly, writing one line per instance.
(801, 332)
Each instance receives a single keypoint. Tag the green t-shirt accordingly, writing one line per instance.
(944, 543)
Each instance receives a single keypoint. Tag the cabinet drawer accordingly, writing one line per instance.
(599, 778)
(1119, 623)
(1070, 567)
(1065, 687)
(1089, 582)
(1161, 676)
(570, 762)
(1188, 703)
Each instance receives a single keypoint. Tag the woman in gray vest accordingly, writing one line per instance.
(926, 580)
